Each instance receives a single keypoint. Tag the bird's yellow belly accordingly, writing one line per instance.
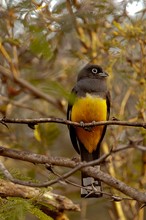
(88, 109)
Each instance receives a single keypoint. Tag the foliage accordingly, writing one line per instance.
(17, 209)
(46, 45)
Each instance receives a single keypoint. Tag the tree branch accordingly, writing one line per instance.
(84, 166)
(67, 122)
(33, 90)
(47, 198)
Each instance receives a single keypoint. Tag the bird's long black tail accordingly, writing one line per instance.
(91, 188)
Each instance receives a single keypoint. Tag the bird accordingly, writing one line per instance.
(90, 103)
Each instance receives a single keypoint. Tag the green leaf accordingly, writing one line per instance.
(39, 44)
(38, 213)
(14, 209)
(56, 89)
(47, 133)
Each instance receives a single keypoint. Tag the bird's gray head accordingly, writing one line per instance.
(91, 71)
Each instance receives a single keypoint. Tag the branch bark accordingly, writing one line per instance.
(67, 122)
(47, 198)
(34, 91)
(58, 161)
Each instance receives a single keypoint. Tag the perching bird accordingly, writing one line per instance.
(91, 103)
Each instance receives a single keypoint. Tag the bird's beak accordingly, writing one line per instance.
(103, 74)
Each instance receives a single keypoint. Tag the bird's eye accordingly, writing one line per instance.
(94, 70)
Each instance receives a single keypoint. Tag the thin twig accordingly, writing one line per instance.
(67, 122)
(49, 183)
(34, 91)
(115, 198)
(91, 171)
(21, 105)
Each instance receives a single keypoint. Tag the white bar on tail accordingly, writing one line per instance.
(88, 181)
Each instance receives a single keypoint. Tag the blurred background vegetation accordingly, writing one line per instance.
(43, 44)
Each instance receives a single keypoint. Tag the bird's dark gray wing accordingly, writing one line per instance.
(71, 128)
